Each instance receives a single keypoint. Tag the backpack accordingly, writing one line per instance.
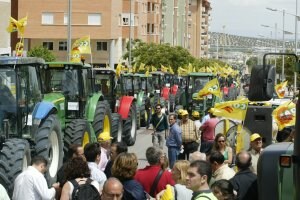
(84, 191)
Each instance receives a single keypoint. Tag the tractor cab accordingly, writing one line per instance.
(105, 82)
(29, 125)
(20, 91)
(189, 99)
(122, 104)
(69, 82)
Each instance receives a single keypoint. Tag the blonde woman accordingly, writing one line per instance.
(179, 174)
(221, 146)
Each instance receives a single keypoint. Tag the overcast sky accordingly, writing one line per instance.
(244, 17)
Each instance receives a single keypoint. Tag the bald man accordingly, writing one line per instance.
(197, 156)
(112, 189)
(245, 181)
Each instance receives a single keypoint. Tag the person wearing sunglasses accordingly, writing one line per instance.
(221, 146)
(160, 126)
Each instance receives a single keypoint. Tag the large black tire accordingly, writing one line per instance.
(77, 132)
(102, 119)
(138, 117)
(49, 144)
(143, 113)
(172, 103)
(129, 127)
(117, 127)
(14, 158)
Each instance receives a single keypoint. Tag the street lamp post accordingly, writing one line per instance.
(296, 35)
(130, 19)
(69, 29)
(283, 33)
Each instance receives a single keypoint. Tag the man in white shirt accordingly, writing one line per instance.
(31, 183)
(92, 154)
(3, 193)
(219, 168)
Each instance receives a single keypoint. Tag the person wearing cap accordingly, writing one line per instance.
(255, 150)
(208, 133)
(105, 142)
(189, 136)
(196, 118)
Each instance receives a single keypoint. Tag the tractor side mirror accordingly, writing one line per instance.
(262, 83)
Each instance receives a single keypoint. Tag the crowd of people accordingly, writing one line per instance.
(198, 165)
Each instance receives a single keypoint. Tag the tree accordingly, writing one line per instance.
(251, 62)
(40, 51)
(159, 54)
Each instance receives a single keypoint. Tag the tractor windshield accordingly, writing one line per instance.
(136, 84)
(197, 83)
(102, 83)
(7, 96)
(60, 80)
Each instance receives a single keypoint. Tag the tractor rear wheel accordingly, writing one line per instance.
(49, 144)
(102, 119)
(14, 158)
(129, 127)
(77, 132)
(117, 127)
(143, 113)
(138, 117)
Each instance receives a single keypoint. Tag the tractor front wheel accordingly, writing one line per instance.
(49, 144)
(14, 158)
(130, 126)
(77, 132)
(102, 119)
(117, 127)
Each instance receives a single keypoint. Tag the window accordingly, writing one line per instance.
(94, 19)
(66, 18)
(47, 18)
(62, 46)
(149, 7)
(150, 28)
(101, 46)
(48, 45)
(125, 17)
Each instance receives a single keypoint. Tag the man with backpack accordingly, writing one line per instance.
(92, 154)
(160, 126)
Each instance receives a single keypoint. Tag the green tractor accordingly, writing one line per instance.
(84, 114)
(29, 125)
(121, 102)
(143, 97)
(188, 99)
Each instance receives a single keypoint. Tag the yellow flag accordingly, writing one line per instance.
(12, 26)
(75, 55)
(280, 89)
(285, 115)
(142, 67)
(190, 68)
(211, 87)
(168, 194)
(232, 109)
(153, 69)
(147, 73)
(171, 70)
(21, 25)
(118, 70)
(163, 68)
(83, 44)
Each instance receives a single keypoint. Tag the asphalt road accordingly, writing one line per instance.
(143, 141)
